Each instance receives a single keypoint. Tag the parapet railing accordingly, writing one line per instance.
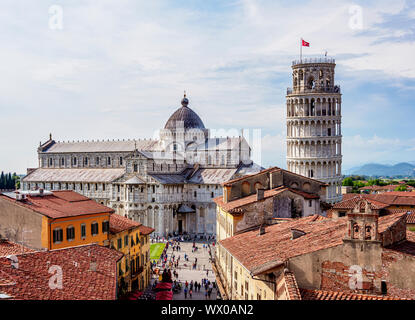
(314, 60)
(334, 89)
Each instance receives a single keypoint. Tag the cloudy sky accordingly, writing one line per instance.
(85, 70)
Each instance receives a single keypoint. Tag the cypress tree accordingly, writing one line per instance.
(2, 181)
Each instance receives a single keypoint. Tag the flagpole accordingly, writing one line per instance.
(301, 50)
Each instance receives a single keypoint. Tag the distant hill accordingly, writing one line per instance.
(405, 169)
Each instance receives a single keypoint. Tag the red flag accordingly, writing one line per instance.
(305, 43)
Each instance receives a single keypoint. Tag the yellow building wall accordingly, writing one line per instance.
(50, 224)
(225, 223)
(145, 262)
(238, 282)
(130, 251)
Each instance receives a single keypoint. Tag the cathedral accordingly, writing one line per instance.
(167, 183)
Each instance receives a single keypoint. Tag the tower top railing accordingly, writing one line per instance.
(314, 60)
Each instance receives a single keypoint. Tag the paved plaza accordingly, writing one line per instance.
(187, 273)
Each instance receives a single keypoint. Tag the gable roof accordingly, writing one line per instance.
(74, 175)
(11, 248)
(100, 146)
(144, 230)
(60, 204)
(270, 170)
(308, 294)
(259, 253)
(377, 201)
(30, 281)
(241, 202)
(119, 223)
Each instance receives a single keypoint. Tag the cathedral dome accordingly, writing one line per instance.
(190, 119)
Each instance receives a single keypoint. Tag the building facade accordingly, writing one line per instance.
(271, 196)
(314, 136)
(53, 220)
(167, 183)
(359, 256)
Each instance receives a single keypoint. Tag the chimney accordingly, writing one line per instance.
(92, 266)
(262, 229)
(260, 194)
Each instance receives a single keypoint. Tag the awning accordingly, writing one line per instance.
(163, 285)
(164, 295)
(219, 282)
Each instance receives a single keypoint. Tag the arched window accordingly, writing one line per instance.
(258, 185)
(311, 83)
(355, 231)
(246, 188)
(368, 232)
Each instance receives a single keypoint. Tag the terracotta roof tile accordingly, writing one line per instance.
(30, 281)
(144, 230)
(238, 203)
(61, 204)
(261, 252)
(351, 201)
(410, 218)
(291, 285)
(119, 223)
(274, 169)
(308, 294)
(12, 248)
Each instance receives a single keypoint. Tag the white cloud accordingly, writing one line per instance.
(118, 70)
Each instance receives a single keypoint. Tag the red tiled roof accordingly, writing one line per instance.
(374, 187)
(377, 201)
(273, 169)
(350, 202)
(262, 252)
(30, 281)
(307, 294)
(391, 198)
(401, 193)
(291, 285)
(12, 248)
(235, 204)
(61, 204)
(144, 230)
(119, 223)
(410, 218)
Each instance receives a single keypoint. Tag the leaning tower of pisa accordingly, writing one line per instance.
(314, 124)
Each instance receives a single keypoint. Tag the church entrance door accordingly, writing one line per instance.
(180, 226)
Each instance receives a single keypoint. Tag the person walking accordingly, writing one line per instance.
(190, 293)
(185, 292)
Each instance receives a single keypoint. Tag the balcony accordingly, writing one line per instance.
(301, 90)
(314, 60)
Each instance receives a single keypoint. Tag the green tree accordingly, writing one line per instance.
(401, 188)
(348, 182)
